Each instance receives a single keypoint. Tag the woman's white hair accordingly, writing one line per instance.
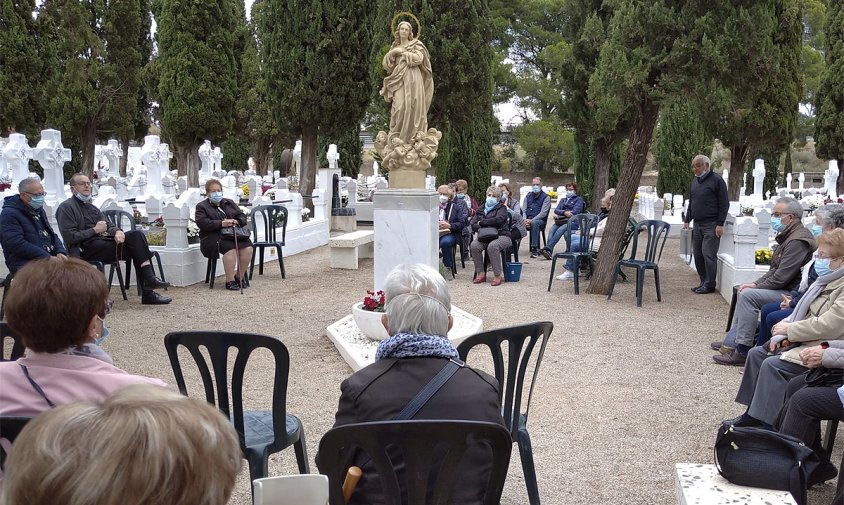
(418, 301)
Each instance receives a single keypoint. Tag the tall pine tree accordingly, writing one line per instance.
(829, 101)
(198, 65)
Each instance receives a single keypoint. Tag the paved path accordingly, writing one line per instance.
(624, 392)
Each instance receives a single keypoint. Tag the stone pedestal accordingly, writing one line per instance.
(405, 229)
(407, 179)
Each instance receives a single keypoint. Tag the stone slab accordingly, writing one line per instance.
(353, 239)
(359, 351)
(698, 484)
(344, 223)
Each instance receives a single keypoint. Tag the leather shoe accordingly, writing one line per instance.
(822, 473)
(733, 358)
(545, 253)
(479, 279)
(744, 420)
(694, 289)
(497, 281)
(703, 290)
(716, 346)
(155, 283)
(153, 298)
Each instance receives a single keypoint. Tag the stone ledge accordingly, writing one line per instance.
(699, 484)
(353, 239)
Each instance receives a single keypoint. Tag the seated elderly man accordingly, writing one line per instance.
(796, 245)
(25, 231)
(417, 318)
(87, 234)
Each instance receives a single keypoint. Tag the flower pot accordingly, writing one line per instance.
(157, 236)
(368, 322)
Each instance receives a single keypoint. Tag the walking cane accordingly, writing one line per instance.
(350, 482)
(237, 261)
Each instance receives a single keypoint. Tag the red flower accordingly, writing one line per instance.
(373, 301)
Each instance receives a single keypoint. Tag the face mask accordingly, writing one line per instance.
(460, 195)
(103, 335)
(84, 198)
(536, 188)
(817, 230)
(505, 194)
(216, 197)
(570, 194)
(36, 202)
(504, 197)
(491, 201)
(443, 199)
(776, 224)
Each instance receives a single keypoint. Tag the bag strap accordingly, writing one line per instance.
(36, 387)
(428, 391)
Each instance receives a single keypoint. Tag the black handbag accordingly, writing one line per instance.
(825, 377)
(762, 458)
(487, 234)
(235, 231)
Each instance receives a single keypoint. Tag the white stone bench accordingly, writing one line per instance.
(348, 248)
(702, 485)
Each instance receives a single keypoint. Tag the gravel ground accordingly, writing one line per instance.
(623, 394)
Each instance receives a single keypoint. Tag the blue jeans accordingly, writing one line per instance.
(558, 231)
(536, 226)
(573, 247)
(446, 243)
(769, 315)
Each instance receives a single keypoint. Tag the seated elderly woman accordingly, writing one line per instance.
(606, 205)
(417, 317)
(454, 215)
(518, 230)
(217, 218)
(818, 317)
(143, 445)
(492, 223)
(823, 400)
(58, 308)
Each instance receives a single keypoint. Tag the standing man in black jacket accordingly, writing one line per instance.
(708, 205)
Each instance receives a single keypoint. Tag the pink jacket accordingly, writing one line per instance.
(63, 378)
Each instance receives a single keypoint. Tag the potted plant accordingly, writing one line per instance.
(157, 233)
(367, 315)
(747, 210)
(193, 232)
(763, 256)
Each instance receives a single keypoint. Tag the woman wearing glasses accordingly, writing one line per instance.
(58, 309)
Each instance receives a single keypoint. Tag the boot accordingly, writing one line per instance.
(150, 280)
(150, 297)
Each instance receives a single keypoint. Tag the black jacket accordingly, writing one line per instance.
(73, 227)
(19, 234)
(209, 220)
(498, 217)
(708, 201)
(381, 390)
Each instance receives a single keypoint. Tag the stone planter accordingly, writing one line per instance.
(157, 236)
(368, 322)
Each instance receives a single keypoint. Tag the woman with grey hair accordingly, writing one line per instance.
(418, 317)
(492, 223)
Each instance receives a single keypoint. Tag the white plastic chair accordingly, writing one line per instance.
(311, 489)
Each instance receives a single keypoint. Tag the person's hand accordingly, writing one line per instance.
(101, 227)
(719, 230)
(686, 226)
(750, 285)
(567, 213)
(775, 342)
(527, 223)
(812, 356)
(61, 256)
(781, 328)
(445, 225)
(786, 302)
(119, 236)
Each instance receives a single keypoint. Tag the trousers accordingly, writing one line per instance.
(763, 384)
(705, 244)
(134, 248)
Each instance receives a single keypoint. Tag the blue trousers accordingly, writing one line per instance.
(536, 226)
(446, 243)
(558, 231)
(573, 247)
(769, 315)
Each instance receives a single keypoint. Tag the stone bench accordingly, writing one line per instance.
(347, 249)
(701, 484)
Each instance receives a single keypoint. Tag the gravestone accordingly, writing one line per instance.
(788, 181)
(52, 155)
(333, 156)
(206, 153)
(217, 160)
(832, 180)
(801, 179)
(297, 161)
(156, 157)
(759, 180)
(112, 154)
(5, 176)
(17, 154)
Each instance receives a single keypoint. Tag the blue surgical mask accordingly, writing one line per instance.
(570, 194)
(822, 266)
(491, 201)
(817, 230)
(776, 224)
(216, 197)
(36, 202)
(104, 335)
(460, 195)
(84, 198)
(536, 188)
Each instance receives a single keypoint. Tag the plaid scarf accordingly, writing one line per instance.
(414, 345)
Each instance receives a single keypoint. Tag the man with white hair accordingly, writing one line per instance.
(418, 317)
(708, 206)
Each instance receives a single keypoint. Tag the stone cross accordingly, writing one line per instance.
(17, 154)
(113, 153)
(297, 159)
(156, 157)
(800, 180)
(206, 153)
(832, 180)
(217, 159)
(4, 165)
(788, 181)
(759, 179)
(52, 155)
(333, 156)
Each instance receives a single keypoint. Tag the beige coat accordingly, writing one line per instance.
(823, 322)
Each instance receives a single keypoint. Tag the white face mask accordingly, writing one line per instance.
(443, 199)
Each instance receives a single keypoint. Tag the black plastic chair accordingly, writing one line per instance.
(657, 234)
(262, 432)
(10, 428)
(584, 222)
(270, 215)
(117, 218)
(625, 243)
(426, 441)
(521, 343)
(17, 343)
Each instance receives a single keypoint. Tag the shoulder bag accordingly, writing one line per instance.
(235, 231)
(487, 234)
(762, 458)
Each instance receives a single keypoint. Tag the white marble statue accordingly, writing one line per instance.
(788, 181)
(297, 161)
(17, 154)
(206, 153)
(832, 180)
(52, 155)
(156, 157)
(759, 179)
(112, 154)
(333, 156)
(801, 179)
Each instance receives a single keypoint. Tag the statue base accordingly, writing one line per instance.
(407, 179)
(407, 162)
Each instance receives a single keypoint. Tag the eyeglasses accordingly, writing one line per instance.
(83, 184)
(781, 214)
(43, 193)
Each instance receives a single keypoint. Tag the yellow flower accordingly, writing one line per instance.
(245, 189)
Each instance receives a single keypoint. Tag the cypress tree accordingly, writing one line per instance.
(682, 135)
(22, 71)
(829, 102)
(197, 70)
(315, 56)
